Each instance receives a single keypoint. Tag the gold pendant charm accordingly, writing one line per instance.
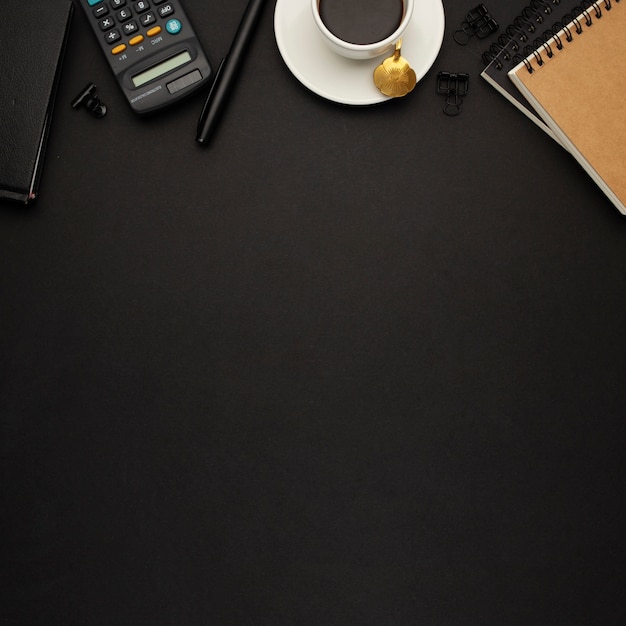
(394, 76)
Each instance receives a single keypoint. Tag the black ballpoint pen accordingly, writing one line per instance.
(227, 72)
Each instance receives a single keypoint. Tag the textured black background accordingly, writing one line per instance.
(346, 366)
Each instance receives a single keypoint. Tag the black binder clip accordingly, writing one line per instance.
(90, 100)
(477, 22)
(454, 87)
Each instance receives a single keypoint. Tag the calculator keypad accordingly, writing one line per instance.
(123, 19)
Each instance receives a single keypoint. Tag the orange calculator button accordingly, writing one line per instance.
(154, 31)
(118, 49)
(136, 40)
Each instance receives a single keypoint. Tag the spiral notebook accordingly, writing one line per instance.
(535, 24)
(576, 82)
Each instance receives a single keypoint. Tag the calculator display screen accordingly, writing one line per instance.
(161, 68)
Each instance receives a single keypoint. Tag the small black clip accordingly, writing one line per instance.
(477, 22)
(454, 87)
(90, 99)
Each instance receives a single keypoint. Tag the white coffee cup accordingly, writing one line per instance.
(363, 51)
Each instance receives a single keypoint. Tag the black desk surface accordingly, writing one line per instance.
(346, 366)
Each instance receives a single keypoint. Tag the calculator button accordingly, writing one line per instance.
(118, 49)
(130, 27)
(165, 10)
(116, 4)
(106, 23)
(173, 27)
(147, 18)
(141, 6)
(123, 15)
(92, 3)
(100, 11)
(135, 41)
(154, 31)
(112, 36)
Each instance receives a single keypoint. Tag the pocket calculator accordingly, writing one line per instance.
(152, 49)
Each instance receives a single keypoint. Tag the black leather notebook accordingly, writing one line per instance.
(33, 35)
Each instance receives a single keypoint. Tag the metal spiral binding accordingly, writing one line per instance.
(500, 45)
(562, 25)
(531, 15)
(519, 32)
(542, 45)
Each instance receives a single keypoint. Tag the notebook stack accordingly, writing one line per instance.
(562, 63)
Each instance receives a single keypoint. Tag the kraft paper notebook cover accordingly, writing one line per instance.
(33, 34)
(575, 81)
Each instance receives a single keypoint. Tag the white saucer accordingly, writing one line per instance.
(345, 80)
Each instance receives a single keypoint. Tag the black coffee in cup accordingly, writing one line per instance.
(361, 21)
